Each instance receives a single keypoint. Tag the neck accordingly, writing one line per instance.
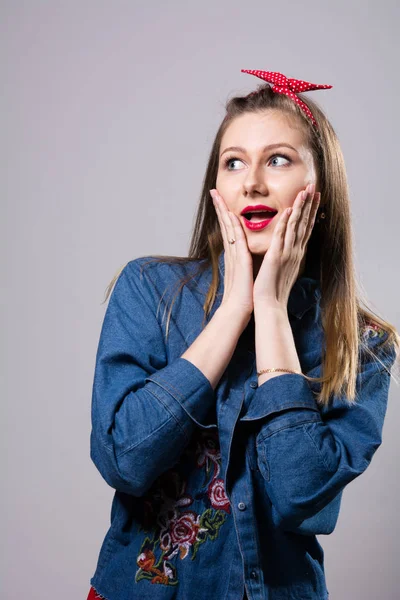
(258, 259)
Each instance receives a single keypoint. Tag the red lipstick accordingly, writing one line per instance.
(258, 207)
(265, 211)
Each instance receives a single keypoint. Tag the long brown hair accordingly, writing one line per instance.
(344, 319)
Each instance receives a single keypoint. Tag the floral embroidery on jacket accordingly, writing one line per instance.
(175, 530)
(372, 330)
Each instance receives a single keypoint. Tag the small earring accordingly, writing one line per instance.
(321, 216)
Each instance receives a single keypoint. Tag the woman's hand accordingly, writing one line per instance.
(238, 281)
(281, 264)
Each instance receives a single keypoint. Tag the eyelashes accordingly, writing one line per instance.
(229, 159)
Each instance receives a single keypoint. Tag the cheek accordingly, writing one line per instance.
(222, 188)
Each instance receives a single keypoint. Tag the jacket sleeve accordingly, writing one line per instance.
(144, 409)
(307, 454)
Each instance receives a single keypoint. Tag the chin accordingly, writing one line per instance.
(258, 249)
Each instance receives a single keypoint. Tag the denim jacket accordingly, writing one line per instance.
(220, 492)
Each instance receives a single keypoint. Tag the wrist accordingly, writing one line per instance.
(266, 308)
(233, 316)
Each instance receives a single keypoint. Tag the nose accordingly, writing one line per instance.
(255, 182)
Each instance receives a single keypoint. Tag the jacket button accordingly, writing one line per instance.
(253, 384)
(253, 574)
(241, 506)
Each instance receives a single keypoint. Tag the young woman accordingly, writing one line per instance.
(230, 421)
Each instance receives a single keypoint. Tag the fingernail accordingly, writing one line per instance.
(212, 194)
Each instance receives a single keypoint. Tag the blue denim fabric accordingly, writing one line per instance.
(223, 491)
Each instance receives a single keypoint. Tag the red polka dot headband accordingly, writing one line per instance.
(284, 85)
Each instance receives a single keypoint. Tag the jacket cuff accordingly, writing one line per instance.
(186, 392)
(279, 394)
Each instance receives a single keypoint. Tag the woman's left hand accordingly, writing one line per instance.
(281, 264)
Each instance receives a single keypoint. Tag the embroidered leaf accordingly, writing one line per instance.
(211, 523)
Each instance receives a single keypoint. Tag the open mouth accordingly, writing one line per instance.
(258, 216)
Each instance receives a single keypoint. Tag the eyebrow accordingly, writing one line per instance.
(269, 147)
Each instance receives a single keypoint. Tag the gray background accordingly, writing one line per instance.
(108, 113)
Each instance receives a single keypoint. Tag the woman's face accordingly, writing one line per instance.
(254, 173)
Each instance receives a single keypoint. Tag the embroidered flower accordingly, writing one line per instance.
(146, 564)
(175, 532)
(184, 532)
(146, 560)
(371, 330)
(217, 495)
(163, 577)
(207, 448)
(208, 453)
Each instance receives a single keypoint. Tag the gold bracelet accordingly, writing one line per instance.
(276, 369)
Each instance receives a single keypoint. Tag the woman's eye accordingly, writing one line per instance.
(233, 159)
(280, 156)
(230, 160)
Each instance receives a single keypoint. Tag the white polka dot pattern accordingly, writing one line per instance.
(284, 85)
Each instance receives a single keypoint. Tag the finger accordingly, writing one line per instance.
(222, 226)
(223, 211)
(291, 228)
(312, 217)
(227, 247)
(304, 220)
(278, 237)
(239, 235)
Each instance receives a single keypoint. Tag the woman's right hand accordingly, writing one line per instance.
(238, 281)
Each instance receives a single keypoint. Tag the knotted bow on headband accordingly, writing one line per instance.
(284, 85)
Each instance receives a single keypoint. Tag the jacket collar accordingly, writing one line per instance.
(305, 292)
